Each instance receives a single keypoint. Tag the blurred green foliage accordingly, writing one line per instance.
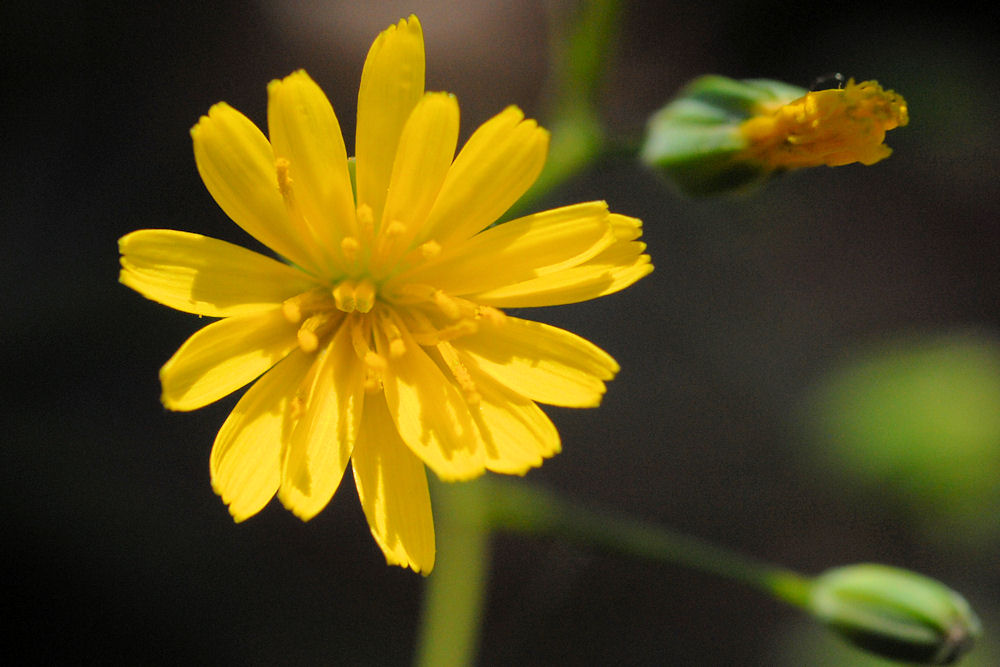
(920, 418)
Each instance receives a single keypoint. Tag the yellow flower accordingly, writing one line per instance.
(381, 340)
(826, 127)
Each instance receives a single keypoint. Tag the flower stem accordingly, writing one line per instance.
(517, 506)
(456, 590)
(466, 513)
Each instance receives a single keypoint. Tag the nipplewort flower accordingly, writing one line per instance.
(380, 340)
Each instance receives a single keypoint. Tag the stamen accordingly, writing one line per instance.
(384, 253)
(394, 230)
(460, 373)
(360, 335)
(397, 347)
(350, 247)
(364, 296)
(296, 217)
(430, 249)
(315, 328)
(292, 311)
(295, 308)
(343, 296)
(421, 253)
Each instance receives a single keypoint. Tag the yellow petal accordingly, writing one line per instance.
(205, 276)
(495, 167)
(237, 165)
(540, 362)
(246, 456)
(392, 486)
(613, 269)
(426, 149)
(517, 434)
(520, 250)
(222, 357)
(322, 441)
(430, 412)
(626, 228)
(392, 83)
(581, 283)
(304, 130)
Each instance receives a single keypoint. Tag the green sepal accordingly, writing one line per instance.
(695, 140)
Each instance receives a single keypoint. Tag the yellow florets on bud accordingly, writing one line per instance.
(826, 127)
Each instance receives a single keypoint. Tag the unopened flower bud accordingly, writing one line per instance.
(720, 135)
(895, 613)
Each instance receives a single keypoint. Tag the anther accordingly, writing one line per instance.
(364, 296)
(430, 249)
(395, 229)
(308, 341)
(397, 348)
(350, 247)
(314, 329)
(343, 296)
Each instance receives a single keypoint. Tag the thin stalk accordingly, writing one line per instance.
(520, 507)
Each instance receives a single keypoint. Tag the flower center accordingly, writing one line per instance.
(382, 329)
(383, 318)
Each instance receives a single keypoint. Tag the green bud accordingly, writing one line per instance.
(895, 613)
(696, 141)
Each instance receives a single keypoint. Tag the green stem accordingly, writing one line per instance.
(583, 42)
(520, 507)
(456, 590)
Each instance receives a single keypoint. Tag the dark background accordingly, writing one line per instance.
(117, 551)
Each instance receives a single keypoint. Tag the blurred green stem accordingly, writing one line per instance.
(583, 38)
(456, 590)
(467, 512)
(517, 506)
